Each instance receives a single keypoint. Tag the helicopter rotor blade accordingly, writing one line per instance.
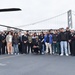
(10, 9)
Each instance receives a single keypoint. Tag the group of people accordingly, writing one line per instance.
(54, 42)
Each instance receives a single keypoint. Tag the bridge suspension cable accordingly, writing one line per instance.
(42, 20)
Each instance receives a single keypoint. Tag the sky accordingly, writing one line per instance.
(34, 11)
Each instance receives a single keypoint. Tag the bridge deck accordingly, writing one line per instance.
(36, 65)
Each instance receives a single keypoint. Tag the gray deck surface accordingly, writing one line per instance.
(36, 65)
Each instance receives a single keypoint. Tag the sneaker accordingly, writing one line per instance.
(42, 53)
(15, 53)
(67, 55)
(18, 53)
(12, 53)
(53, 53)
(61, 54)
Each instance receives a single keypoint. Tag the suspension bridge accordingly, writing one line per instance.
(65, 19)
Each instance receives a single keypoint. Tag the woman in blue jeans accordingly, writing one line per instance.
(15, 43)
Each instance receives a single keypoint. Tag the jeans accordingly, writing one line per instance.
(16, 50)
(43, 47)
(54, 47)
(58, 48)
(63, 45)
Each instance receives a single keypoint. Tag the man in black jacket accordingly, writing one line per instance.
(63, 42)
(72, 42)
(42, 43)
(55, 38)
(3, 43)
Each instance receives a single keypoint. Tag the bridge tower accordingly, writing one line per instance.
(70, 25)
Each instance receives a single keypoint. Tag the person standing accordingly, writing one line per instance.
(27, 34)
(63, 42)
(55, 38)
(30, 43)
(9, 43)
(46, 40)
(73, 45)
(24, 43)
(3, 43)
(20, 42)
(15, 43)
(33, 41)
(41, 39)
(71, 41)
(50, 42)
(58, 42)
(68, 33)
(0, 43)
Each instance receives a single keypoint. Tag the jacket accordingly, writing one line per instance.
(50, 38)
(63, 36)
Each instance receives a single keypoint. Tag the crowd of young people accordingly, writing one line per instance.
(54, 42)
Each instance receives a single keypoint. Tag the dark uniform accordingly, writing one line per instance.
(24, 44)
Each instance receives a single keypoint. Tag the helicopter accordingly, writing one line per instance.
(10, 10)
